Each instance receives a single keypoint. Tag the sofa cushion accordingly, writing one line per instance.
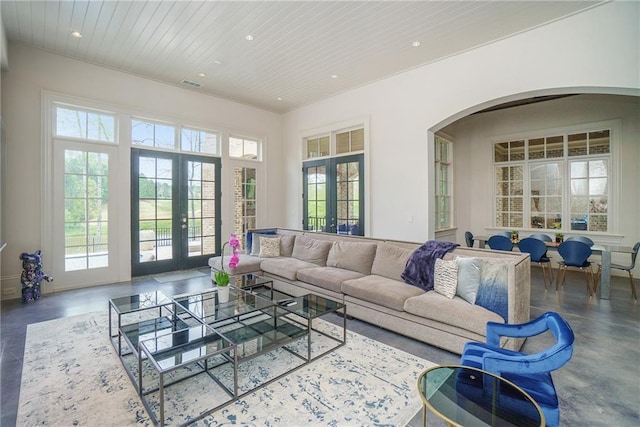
(445, 277)
(247, 264)
(352, 256)
(456, 312)
(380, 290)
(390, 261)
(311, 250)
(327, 277)
(285, 267)
(286, 244)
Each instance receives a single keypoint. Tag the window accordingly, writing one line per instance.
(337, 143)
(545, 205)
(86, 199)
(568, 177)
(349, 142)
(245, 201)
(199, 141)
(444, 172)
(152, 134)
(318, 147)
(244, 148)
(509, 196)
(589, 184)
(84, 124)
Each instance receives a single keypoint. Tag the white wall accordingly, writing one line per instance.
(596, 51)
(31, 71)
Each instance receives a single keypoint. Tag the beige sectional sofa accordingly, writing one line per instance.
(365, 274)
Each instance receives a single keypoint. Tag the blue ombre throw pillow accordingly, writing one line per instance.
(493, 292)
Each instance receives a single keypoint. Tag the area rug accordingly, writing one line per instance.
(72, 376)
(178, 275)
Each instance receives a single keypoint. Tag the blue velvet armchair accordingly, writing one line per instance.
(531, 372)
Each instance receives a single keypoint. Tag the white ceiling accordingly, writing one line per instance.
(297, 47)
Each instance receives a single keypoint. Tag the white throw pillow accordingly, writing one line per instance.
(469, 274)
(269, 247)
(445, 277)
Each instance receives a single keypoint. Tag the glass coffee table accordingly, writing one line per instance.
(465, 396)
(132, 309)
(198, 332)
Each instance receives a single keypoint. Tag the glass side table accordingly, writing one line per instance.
(465, 396)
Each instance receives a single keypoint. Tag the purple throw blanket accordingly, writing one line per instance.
(421, 263)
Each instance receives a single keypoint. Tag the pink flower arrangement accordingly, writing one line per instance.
(222, 277)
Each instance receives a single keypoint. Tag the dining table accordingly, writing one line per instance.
(605, 251)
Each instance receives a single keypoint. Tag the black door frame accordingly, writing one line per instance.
(179, 213)
(331, 165)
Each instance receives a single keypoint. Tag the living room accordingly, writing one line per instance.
(593, 54)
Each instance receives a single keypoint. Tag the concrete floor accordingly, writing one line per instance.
(600, 386)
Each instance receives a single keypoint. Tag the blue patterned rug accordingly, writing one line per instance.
(72, 376)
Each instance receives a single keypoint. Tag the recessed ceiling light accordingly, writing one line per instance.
(202, 74)
(249, 37)
(76, 34)
(334, 76)
(415, 43)
(217, 62)
(279, 98)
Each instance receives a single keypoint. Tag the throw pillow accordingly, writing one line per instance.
(255, 243)
(445, 277)
(469, 270)
(249, 243)
(269, 247)
(493, 292)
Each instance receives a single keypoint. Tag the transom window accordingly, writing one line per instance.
(567, 182)
(334, 143)
(153, 134)
(84, 124)
(199, 141)
(244, 148)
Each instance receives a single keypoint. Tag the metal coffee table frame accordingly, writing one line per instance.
(307, 307)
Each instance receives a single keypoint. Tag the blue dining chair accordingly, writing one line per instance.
(627, 268)
(468, 238)
(575, 254)
(531, 372)
(582, 239)
(500, 243)
(542, 236)
(537, 250)
(506, 234)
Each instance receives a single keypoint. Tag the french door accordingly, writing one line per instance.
(175, 211)
(334, 195)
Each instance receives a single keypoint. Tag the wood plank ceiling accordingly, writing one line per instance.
(301, 52)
